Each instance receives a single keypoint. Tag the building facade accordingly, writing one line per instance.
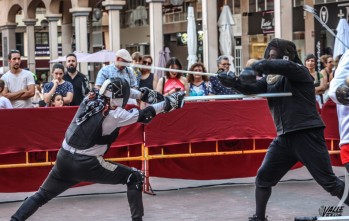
(45, 29)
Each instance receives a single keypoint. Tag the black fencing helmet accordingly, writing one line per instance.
(285, 49)
(117, 90)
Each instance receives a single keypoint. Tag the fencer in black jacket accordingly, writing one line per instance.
(300, 130)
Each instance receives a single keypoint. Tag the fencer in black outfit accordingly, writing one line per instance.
(300, 130)
(93, 129)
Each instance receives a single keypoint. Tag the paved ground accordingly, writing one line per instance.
(177, 200)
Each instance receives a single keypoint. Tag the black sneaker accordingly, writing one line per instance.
(255, 218)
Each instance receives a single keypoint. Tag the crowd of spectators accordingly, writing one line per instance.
(22, 90)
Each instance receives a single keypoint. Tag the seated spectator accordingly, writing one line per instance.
(56, 101)
(199, 85)
(217, 87)
(173, 81)
(4, 102)
(58, 86)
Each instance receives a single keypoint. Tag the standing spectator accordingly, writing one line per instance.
(77, 79)
(199, 85)
(217, 88)
(56, 101)
(137, 59)
(310, 63)
(117, 70)
(300, 130)
(58, 86)
(4, 102)
(327, 72)
(173, 81)
(19, 83)
(148, 79)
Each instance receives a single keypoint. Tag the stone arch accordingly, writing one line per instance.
(33, 5)
(12, 12)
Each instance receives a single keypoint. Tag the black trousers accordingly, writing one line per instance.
(308, 147)
(71, 169)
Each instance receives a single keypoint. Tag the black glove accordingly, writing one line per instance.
(259, 66)
(227, 79)
(150, 96)
(248, 76)
(173, 101)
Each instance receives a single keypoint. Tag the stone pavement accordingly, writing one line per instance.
(188, 200)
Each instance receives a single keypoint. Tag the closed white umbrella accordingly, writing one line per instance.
(226, 35)
(192, 37)
(100, 57)
(343, 35)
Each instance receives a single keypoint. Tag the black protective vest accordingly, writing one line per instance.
(88, 133)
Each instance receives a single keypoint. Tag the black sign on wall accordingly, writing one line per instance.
(330, 14)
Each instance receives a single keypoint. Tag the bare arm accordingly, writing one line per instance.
(48, 95)
(159, 86)
(12, 95)
(28, 93)
(68, 99)
(155, 81)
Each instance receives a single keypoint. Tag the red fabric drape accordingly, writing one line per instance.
(232, 123)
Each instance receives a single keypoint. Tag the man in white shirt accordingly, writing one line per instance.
(19, 83)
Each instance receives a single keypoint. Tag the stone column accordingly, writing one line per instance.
(156, 28)
(114, 7)
(8, 41)
(283, 19)
(53, 37)
(210, 29)
(81, 17)
(245, 39)
(309, 28)
(67, 32)
(30, 23)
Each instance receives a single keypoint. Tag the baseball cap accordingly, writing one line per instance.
(124, 54)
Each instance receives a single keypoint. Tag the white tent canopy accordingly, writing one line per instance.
(100, 57)
(79, 56)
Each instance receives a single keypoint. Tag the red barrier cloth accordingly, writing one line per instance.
(329, 116)
(209, 121)
(41, 129)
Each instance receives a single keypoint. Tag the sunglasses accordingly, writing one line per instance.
(146, 63)
(226, 64)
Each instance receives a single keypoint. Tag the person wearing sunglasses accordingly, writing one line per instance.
(148, 79)
(58, 86)
(19, 83)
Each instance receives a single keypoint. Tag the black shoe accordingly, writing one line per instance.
(255, 218)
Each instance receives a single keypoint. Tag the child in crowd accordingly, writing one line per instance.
(4, 102)
(56, 100)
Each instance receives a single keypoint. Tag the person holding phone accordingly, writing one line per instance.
(173, 81)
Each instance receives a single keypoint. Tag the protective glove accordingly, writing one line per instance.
(227, 79)
(150, 96)
(248, 76)
(173, 101)
(260, 66)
